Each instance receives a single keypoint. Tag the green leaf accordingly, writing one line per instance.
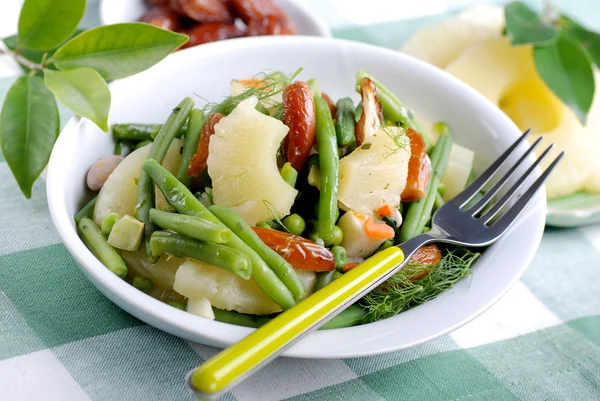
(36, 56)
(118, 51)
(523, 25)
(567, 70)
(83, 91)
(29, 126)
(590, 40)
(44, 24)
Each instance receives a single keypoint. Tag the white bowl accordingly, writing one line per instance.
(206, 71)
(307, 22)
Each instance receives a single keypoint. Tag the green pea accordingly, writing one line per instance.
(339, 253)
(295, 224)
(143, 284)
(264, 224)
(336, 238)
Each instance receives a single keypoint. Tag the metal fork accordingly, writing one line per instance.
(463, 221)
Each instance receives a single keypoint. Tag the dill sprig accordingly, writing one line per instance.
(401, 141)
(274, 215)
(399, 293)
(267, 85)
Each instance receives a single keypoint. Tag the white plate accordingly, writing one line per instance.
(206, 70)
(307, 22)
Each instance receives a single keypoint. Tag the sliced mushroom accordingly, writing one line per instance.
(372, 115)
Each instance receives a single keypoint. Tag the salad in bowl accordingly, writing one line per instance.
(240, 209)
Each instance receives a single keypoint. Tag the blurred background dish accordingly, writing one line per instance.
(208, 21)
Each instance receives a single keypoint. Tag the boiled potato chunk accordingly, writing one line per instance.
(507, 76)
(200, 307)
(162, 273)
(375, 174)
(442, 43)
(226, 290)
(243, 166)
(356, 241)
(460, 163)
(119, 192)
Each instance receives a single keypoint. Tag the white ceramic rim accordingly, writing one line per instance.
(322, 29)
(372, 339)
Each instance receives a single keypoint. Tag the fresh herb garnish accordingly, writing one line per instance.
(266, 85)
(563, 50)
(399, 293)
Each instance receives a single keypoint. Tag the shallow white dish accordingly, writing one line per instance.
(206, 71)
(307, 22)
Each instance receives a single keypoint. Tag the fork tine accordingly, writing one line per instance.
(469, 192)
(481, 203)
(513, 212)
(489, 215)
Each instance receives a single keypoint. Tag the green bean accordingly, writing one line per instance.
(178, 304)
(108, 222)
(142, 283)
(393, 108)
(180, 197)
(339, 253)
(141, 144)
(221, 256)
(135, 132)
(190, 145)
(439, 201)
(329, 165)
(87, 210)
(441, 127)
(118, 147)
(274, 260)
(314, 86)
(324, 278)
(158, 151)
(289, 174)
(92, 237)
(240, 319)
(351, 316)
(295, 224)
(419, 212)
(193, 227)
(345, 123)
(358, 111)
(386, 244)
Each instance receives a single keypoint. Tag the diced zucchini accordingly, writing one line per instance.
(127, 233)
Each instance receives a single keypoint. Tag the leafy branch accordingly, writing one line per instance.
(564, 52)
(69, 65)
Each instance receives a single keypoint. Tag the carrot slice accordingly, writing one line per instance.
(386, 210)
(349, 266)
(378, 230)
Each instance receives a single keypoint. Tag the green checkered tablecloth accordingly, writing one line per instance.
(60, 339)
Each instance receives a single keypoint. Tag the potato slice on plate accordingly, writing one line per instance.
(242, 162)
(441, 43)
(507, 76)
(119, 193)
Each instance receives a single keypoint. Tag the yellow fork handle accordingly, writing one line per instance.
(235, 362)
